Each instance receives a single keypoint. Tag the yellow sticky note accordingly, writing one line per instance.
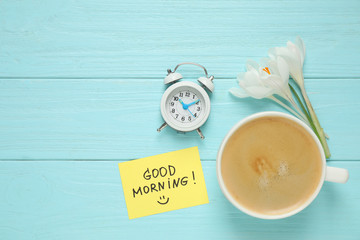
(163, 182)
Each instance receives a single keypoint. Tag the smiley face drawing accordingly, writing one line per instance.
(163, 203)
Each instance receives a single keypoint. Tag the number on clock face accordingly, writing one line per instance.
(185, 106)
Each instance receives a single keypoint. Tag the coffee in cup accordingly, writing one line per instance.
(271, 165)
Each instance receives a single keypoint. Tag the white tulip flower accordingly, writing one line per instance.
(271, 78)
(294, 55)
(266, 80)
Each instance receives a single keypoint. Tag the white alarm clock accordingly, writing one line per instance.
(185, 106)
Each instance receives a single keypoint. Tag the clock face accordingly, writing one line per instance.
(185, 106)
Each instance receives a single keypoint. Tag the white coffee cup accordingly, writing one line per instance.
(331, 174)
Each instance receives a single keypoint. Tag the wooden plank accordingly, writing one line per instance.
(117, 119)
(84, 200)
(137, 38)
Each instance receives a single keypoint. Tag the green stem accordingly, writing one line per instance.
(286, 107)
(300, 102)
(290, 99)
(300, 84)
(316, 122)
(304, 110)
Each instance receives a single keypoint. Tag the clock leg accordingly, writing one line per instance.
(200, 133)
(162, 127)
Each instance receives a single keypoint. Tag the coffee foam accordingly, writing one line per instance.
(283, 169)
(264, 181)
(269, 176)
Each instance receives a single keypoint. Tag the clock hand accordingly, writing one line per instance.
(188, 105)
(185, 106)
(191, 113)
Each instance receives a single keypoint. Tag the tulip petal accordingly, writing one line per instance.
(300, 44)
(295, 51)
(291, 55)
(251, 78)
(237, 92)
(240, 76)
(283, 69)
(272, 52)
(259, 92)
(251, 64)
(271, 64)
(274, 82)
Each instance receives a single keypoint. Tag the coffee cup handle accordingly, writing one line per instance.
(338, 175)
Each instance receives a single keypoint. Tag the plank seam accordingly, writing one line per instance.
(121, 160)
(149, 78)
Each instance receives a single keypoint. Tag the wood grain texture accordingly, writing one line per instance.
(84, 200)
(80, 86)
(137, 38)
(117, 119)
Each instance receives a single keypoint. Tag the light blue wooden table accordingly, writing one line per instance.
(80, 86)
